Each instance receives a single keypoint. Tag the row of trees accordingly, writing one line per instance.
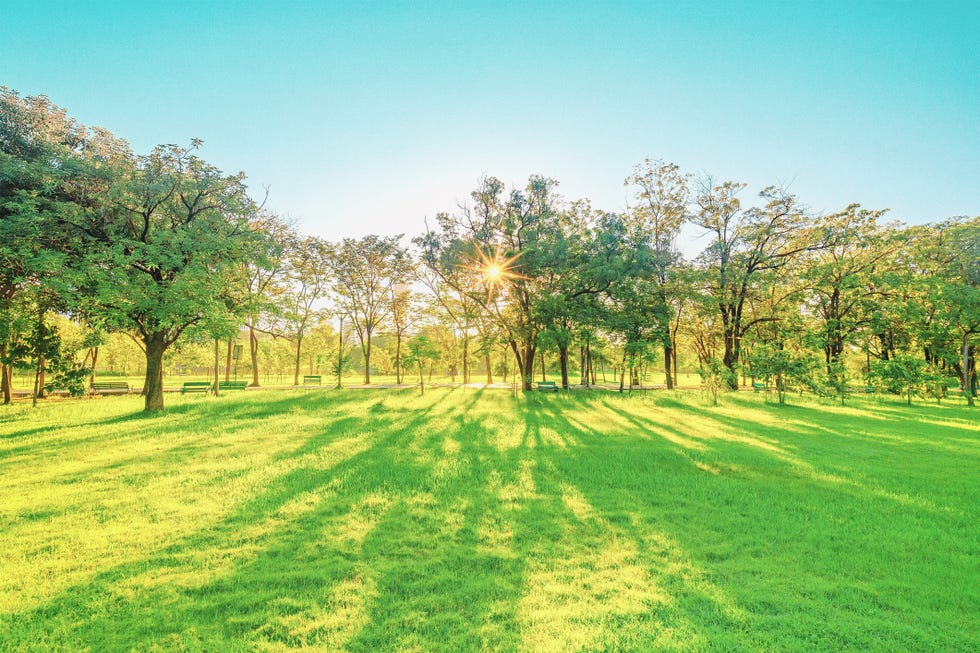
(165, 247)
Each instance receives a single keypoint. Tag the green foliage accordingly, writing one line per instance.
(902, 374)
(715, 377)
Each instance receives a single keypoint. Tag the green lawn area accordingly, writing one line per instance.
(470, 520)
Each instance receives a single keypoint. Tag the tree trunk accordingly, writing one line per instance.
(398, 357)
(563, 364)
(622, 372)
(466, 356)
(730, 359)
(42, 370)
(486, 361)
(668, 358)
(367, 357)
(673, 357)
(217, 373)
(95, 360)
(524, 354)
(966, 382)
(6, 378)
(253, 352)
(299, 347)
(156, 345)
(543, 371)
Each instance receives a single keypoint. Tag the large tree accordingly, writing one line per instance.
(843, 278)
(494, 250)
(163, 253)
(659, 212)
(51, 168)
(748, 247)
(365, 273)
(309, 273)
(266, 282)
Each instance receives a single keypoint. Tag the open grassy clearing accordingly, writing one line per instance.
(473, 520)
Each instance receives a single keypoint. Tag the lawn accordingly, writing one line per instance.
(470, 520)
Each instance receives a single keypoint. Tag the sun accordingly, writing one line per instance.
(494, 269)
(493, 272)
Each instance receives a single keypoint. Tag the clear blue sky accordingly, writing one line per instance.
(368, 117)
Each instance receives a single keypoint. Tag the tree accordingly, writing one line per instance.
(51, 168)
(309, 271)
(365, 272)
(660, 211)
(421, 352)
(265, 280)
(162, 254)
(748, 246)
(842, 276)
(495, 250)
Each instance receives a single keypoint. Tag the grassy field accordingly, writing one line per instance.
(469, 520)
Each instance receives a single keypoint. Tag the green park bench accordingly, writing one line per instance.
(312, 379)
(758, 387)
(547, 386)
(110, 387)
(196, 386)
(232, 385)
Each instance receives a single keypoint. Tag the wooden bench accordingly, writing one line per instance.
(232, 385)
(758, 387)
(110, 387)
(547, 386)
(312, 379)
(196, 386)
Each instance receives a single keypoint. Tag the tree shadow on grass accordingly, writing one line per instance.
(265, 573)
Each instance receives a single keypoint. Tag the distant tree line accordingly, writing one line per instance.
(163, 247)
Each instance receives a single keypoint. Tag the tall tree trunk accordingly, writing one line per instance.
(966, 383)
(95, 361)
(253, 352)
(217, 371)
(732, 348)
(673, 358)
(156, 345)
(299, 347)
(42, 372)
(622, 371)
(543, 371)
(489, 366)
(524, 355)
(563, 364)
(668, 358)
(6, 378)
(398, 357)
(466, 356)
(228, 362)
(367, 357)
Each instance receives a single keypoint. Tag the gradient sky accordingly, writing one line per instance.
(369, 117)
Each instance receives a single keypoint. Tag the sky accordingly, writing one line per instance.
(370, 117)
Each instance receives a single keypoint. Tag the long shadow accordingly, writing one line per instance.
(809, 529)
(413, 517)
(291, 566)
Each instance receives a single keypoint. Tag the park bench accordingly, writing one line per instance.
(312, 379)
(758, 387)
(233, 385)
(196, 386)
(547, 386)
(110, 387)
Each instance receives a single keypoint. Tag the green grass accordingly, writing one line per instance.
(477, 521)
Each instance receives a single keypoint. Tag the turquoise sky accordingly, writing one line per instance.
(367, 117)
